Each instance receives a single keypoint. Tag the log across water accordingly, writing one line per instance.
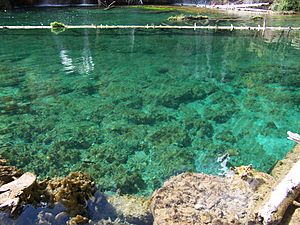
(194, 27)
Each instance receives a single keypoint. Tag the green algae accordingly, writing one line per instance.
(135, 107)
(156, 8)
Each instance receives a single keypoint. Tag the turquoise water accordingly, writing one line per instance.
(131, 16)
(134, 107)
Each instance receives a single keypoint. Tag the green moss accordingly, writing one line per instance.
(156, 8)
(256, 18)
(171, 134)
(57, 25)
(183, 17)
(186, 9)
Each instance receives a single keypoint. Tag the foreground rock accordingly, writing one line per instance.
(71, 200)
(13, 192)
(188, 198)
(281, 197)
(192, 198)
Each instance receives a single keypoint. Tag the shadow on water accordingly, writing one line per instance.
(98, 208)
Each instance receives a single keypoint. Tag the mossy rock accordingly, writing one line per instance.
(200, 127)
(170, 134)
(187, 92)
(57, 25)
(226, 136)
(183, 17)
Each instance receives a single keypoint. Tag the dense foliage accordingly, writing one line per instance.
(287, 5)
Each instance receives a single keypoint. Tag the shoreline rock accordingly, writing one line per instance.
(192, 198)
(188, 198)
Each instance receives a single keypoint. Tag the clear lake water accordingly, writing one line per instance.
(134, 107)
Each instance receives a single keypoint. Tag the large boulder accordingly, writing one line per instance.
(192, 198)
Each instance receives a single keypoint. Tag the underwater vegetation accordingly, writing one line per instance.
(183, 17)
(132, 108)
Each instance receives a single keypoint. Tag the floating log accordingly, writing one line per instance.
(195, 27)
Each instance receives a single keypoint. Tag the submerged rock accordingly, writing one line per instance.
(72, 191)
(133, 209)
(182, 17)
(78, 220)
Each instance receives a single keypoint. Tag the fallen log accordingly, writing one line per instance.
(281, 197)
(195, 27)
(293, 136)
(110, 6)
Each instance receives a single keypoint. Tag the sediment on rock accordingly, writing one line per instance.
(191, 198)
(283, 166)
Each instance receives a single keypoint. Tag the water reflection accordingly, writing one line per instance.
(87, 59)
(66, 61)
(83, 64)
(132, 39)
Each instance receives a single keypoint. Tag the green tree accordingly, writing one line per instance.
(286, 5)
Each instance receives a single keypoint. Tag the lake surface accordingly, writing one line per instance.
(135, 107)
